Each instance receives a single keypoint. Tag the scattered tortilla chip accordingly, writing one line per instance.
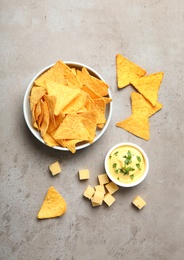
(126, 71)
(53, 206)
(139, 103)
(137, 124)
(148, 86)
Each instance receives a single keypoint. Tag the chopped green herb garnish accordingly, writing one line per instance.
(138, 166)
(138, 159)
(110, 156)
(116, 171)
(118, 178)
(116, 153)
(131, 176)
(114, 165)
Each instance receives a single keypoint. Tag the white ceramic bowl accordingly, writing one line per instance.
(27, 112)
(132, 183)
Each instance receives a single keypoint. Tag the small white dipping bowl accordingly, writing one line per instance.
(27, 112)
(132, 183)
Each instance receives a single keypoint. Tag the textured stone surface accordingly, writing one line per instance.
(35, 34)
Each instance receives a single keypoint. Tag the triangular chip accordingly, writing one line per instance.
(70, 144)
(36, 94)
(61, 73)
(72, 127)
(45, 121)
(53, 206)
(85, 78)
(64, 94)
(77, 103)
(149, 86)
(126, 70)
(49, 140)
(136, 124)
(139, 103)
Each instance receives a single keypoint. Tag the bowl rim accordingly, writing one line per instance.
(126, 185)
(26, 110)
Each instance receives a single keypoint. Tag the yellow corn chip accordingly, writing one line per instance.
(126, 70)
(136, 124)
(86, 79)
(64, 94)
(49, 140)
(148, 86)
(53, 206)
(45, 121)
(140, 103)
(36, 94)
(61, 73)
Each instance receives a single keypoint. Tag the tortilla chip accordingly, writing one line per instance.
(36, 94)
(45, 120)
(139, 103)
(148, 86)
(60, 73)
(64, 94)
(136, 124)
(53, 205)
(126, 70)
(92, 83)
(77, 103)
(73, 127)
(70, 144)
(94, 108)
(49, 140)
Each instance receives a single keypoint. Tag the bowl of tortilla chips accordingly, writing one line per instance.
(67, 106)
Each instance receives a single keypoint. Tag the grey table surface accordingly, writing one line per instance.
(35, 34)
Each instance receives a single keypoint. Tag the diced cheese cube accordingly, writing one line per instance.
(97, 198)
(139, 202)
(109, 199)
(103, 179)
(55, 168)
(111, 187)
(84, 174)
(100, 188)
(88, 193)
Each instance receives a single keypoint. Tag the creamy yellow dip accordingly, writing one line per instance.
(126, 164)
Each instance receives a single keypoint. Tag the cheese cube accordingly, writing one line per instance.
(139, 202)
(55, 168)
(84, 174)
(111, 187)
(109, 199)
(88, 193)
(103, 179)
(100, 188)
(97, 198)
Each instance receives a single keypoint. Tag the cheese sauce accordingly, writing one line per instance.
(126, 164)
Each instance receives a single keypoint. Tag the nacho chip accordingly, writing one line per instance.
(64, 94)
(148, 86)
(77, 103)
(126, 71)
(60, 73)
(139, 103)
(86, 79)
(70, 144)
(53, 205)
(137, 124)
(74, 126)
(49, 140)
(36, 94)
(45, 121)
